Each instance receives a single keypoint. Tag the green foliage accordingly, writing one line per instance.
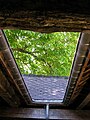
(43, 54)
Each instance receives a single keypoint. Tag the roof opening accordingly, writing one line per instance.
(44, 61)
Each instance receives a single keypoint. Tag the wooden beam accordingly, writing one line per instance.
(9, 68)
(82, 79)
(80, 63)
(84, 102)
(7, 92)
(45, 16)
(35, 113)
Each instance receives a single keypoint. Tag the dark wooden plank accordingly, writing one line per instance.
(80, 63)
(3, 103)
(57, 114)
(84, 102)
(10, 69)
(7, 92)
(81, 81)
(23, 113)
(45, 16)
(69, 114)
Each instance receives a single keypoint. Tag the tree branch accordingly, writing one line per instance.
(24, 51)
(32, 54)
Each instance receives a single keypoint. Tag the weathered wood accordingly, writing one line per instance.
(81, 60)
(7, 92)
(57, 114)
(45, 16)
(9, 68)
(84, 102)
(80, 81)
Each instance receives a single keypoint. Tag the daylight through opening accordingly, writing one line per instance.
(44, 61)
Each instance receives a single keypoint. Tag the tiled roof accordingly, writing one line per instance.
(46, 89)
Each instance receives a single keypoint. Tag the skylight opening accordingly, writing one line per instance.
(44, 61)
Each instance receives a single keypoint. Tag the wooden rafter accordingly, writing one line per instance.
(7, 92)
(45, 16)
(82, 79)
(10, 69)
(79, 76)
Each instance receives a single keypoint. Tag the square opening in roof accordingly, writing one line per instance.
(41, 55)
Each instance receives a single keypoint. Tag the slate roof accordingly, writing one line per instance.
(46, 89)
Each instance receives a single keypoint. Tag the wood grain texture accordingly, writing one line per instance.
(34, 113)
(7, 92)
(11, 71)
(82, 79)
(45, 16)
(77, 78)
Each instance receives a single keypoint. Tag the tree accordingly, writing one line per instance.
(43, 54)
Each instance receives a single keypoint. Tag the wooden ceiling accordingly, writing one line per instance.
(46, 16)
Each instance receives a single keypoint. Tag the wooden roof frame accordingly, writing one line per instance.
(11, 77)
(81, 60)
(49, 16)
(45, 16)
